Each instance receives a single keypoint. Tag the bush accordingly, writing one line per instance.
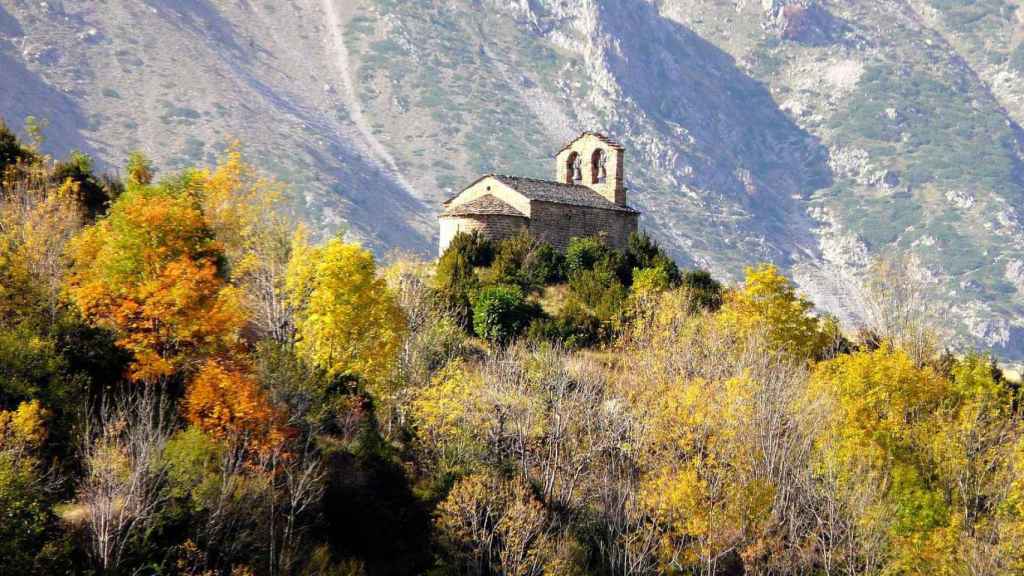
(583, 254)
(574, 327)
(526, 262)
(600, 290)
(705, 291)
(479, 251)
(642, 253)
(591, 253)
(455, 281)
(649, 281)
(11, 149)
(78, 168)
(545, 264)
(501, 312)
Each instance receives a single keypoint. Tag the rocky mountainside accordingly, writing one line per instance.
(812, 133)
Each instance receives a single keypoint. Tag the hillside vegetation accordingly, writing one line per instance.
(813, 134)
(189, 384)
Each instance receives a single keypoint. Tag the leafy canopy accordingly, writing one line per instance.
(151, 270)
(348, 321)
(768, 301)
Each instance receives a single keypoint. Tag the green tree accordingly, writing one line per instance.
(502, 312)
(643, 252)
(456, 281)
(35, 128)
(478, 249)
(526, 262)
(706, 292)
(12, 151)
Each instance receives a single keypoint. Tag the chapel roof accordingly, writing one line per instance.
(559, 193)
(486, 204)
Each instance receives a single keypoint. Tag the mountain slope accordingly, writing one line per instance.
(812, 134)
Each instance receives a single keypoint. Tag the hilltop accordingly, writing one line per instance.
(813, 134)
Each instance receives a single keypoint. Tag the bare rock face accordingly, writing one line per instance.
(807, 24)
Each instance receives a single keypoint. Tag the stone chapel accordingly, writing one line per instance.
(587, 198)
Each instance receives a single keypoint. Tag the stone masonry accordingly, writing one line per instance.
(588, 198)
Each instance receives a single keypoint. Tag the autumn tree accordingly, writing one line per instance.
(722, 445)
(347, 319)
(151, 270)
(446, 415)
(897, 307)
(139, 169)
(490, 525)
(25, 485)
(433, 337)
(226, 401)
(37, 220)
(536, 416)
(768, 301)
(935, 452)
(250, 217)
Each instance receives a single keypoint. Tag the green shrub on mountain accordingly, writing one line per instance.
(502, 312)
(478, 250)
(584, 253)
(526, 262)
(705, 291)
(643, 252)
(574, 326)
(455, 281)
(12, 150)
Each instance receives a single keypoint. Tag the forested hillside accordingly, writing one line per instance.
(813, 134)
(191, 384)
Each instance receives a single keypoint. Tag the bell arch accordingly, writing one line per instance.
(598, 167)
(573, 169)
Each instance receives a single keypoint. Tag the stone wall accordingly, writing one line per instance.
(558, 223)
(493, 226)
(613, 188)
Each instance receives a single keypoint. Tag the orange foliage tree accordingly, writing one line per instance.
(226, 402)
(151, 271)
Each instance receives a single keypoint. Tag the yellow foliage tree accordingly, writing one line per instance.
(767, 301)
(248, 215)
(23, 484)
(917, 458)
(347, 319)
(36, 222)
(445, 416)
(699, 482)
(24, 427)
